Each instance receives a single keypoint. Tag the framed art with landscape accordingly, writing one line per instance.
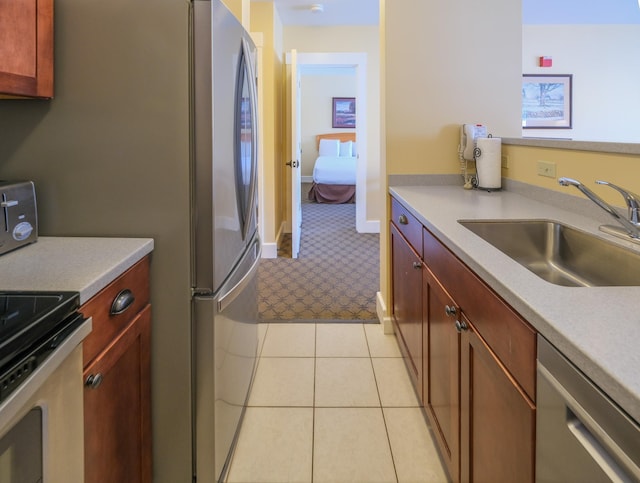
(546, 101)
(344, 112)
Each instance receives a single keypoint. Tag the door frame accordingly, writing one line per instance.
(357, 61)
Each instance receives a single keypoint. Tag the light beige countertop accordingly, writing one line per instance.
(79, 264)
(597, 328)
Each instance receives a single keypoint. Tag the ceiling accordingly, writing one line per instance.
(366, 12)
(336, 12)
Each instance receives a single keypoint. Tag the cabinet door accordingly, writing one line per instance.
(407, 302)
(26, 48)
(498, 419)
(442, 390)
(117, 410)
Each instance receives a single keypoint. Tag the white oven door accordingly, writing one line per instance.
(42, 421)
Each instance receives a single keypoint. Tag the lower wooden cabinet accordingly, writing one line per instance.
(477, 362)
(117, 418)
(441, 390)
(407, 303)
(497, 418)
(117, 375)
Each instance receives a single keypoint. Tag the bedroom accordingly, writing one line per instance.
(319, 86)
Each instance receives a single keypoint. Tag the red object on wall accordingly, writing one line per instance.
(546, 61)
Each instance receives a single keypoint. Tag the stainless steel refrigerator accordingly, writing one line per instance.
(225, 243)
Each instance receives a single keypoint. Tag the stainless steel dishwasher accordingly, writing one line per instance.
(582, 435)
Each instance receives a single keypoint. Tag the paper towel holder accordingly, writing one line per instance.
(488, 164)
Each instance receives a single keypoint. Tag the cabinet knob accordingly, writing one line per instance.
(122, 302)
(403, 220)
(461, 326)
(417, 265)
(93, 381)
(450, 310)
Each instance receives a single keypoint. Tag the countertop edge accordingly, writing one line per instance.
(80, 264)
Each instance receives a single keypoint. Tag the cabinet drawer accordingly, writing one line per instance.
(105, 325)
(407, 224)
(510, 337)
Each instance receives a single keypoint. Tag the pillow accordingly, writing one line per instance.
(354, 149)
(329, 147)
(345, 149)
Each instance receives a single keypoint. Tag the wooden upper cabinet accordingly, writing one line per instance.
(26, 48)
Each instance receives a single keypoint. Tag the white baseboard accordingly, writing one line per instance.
(306, 179)
(383, 316)
(370, 226)
(269, 250)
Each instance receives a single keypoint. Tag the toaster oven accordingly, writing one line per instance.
(18, 215)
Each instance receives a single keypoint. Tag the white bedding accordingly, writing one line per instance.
(335, 170)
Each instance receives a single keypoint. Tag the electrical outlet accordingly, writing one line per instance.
(547, 169)
(504, 161)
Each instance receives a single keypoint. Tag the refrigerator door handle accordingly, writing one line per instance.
(230, 295)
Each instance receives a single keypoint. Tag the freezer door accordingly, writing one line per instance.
(224, 144)
(225, 342)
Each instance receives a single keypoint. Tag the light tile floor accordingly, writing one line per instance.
(333, 403)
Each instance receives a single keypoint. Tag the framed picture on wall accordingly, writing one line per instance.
(546, 101)
(344, 112)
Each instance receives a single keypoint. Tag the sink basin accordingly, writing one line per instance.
(560, 254)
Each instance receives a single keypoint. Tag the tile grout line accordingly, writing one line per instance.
(313, 412)
(384, 419)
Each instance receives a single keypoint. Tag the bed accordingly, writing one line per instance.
(334, 172)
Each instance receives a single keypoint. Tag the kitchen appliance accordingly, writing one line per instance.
(18, 215)
(41, 422)
(225, 244)
(582, 436)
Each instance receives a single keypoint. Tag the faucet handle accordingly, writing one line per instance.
(631, 199)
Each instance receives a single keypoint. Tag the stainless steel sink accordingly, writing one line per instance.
(560, 254)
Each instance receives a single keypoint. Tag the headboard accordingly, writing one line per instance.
(342, 136)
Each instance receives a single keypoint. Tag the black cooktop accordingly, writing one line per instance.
(32, 325)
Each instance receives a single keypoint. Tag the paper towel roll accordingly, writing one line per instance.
(488, 163)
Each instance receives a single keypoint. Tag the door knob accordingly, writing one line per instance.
(293, 164)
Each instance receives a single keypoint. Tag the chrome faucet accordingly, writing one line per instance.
(631, 226)
(631, 199)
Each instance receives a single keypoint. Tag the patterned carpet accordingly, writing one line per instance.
(335, 278)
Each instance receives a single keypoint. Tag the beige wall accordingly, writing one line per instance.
(623, 170)
(606, 98)
(317, 92)
(352, 39)
(265, 19)
(447, 62)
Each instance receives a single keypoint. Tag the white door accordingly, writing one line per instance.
(296, 201)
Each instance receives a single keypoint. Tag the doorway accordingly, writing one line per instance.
(355, 63)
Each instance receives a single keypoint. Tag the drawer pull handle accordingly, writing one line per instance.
(449, 310)
(417, 265)
(93, 381)
(461, 326)
(122, 302)
(403, 220)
